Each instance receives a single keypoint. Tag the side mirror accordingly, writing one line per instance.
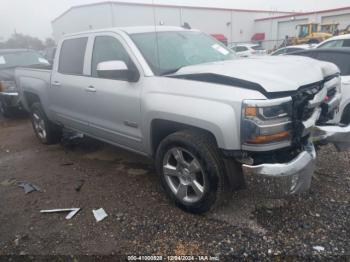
(117, 70)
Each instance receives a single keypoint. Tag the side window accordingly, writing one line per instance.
(332, 44)
(346, 43)
(71, 60)
(108, 48)
(291, 50)
(280, 51)
(241, 49)
(340, 59)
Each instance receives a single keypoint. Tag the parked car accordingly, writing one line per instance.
(291, 49)
(9, 60)
(49, 54)
(211, 122)
(246, 50)
(336, 41)
(340, 57)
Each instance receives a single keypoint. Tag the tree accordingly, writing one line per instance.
(24, 41)
(49, 42)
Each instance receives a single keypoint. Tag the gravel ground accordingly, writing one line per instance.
(141, 221)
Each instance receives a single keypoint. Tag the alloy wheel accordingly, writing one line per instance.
(184, 175)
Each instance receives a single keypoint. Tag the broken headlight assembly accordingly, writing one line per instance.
(266, 124)
(8, 87)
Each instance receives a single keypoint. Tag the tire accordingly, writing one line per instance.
(5, 111)
(192, 171)
(345, 119)
(47, 132)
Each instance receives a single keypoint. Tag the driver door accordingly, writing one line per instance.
(115, 107)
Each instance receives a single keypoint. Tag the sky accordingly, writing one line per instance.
(33, 17)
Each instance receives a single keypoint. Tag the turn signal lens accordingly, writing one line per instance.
(251, 111)
(269, 138)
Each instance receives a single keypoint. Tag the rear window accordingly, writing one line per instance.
(72, 55)
(25, 58)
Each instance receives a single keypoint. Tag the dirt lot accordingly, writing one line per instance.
(140, 218)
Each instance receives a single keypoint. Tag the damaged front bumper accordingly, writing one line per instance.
(282, 179)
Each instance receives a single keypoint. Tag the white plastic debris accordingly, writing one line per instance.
(72, 211)
(318, 248)
(99, 214)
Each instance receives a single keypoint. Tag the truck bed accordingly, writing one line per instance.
(34, 79)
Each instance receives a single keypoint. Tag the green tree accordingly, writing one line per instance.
(24, 41)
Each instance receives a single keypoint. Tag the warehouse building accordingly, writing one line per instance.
(236, 24)
(277, 28)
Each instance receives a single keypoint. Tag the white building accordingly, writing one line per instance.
(236, 24)
(277, 28)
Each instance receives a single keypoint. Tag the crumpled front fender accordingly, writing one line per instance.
(337, 135)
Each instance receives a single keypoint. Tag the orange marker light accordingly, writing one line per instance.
(250, 111)
(269, 138)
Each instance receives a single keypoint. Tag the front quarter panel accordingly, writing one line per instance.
(212, 107)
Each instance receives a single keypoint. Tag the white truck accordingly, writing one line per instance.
(212, 122)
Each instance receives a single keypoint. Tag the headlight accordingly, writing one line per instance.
(266, 124)
(7, 86)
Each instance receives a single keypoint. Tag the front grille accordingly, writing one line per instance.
(302, 111)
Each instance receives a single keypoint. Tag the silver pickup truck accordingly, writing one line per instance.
(212, 122)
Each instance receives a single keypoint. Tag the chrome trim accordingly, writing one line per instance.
(9, 94)
(267, 103)
(266, 147)
(318, 98)
(311, 122)
(283, 179)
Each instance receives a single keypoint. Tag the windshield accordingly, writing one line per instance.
(25, 58)
(179, 48)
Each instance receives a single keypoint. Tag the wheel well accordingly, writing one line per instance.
(31, 98)
(160, 129)
(345, 118)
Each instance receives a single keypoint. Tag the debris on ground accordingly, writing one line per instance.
(318, 248)
(72, 211)
(137, 172)
(99, 214)
(79, 185)
(28, 187)
(9, 182)
(67, 164)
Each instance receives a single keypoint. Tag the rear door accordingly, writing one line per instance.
(115, 106)
(68, 96)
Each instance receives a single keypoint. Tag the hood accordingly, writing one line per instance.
(269, 74)
(7, 74)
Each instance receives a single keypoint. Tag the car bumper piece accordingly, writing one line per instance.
(283, 179)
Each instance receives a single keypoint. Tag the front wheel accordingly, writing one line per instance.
(191, 171)
(47, 132)
(4, 110)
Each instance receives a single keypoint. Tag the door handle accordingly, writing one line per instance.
(90, 89)
(56, 83)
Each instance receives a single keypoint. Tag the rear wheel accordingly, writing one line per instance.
(46, 131)
(191, 170)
